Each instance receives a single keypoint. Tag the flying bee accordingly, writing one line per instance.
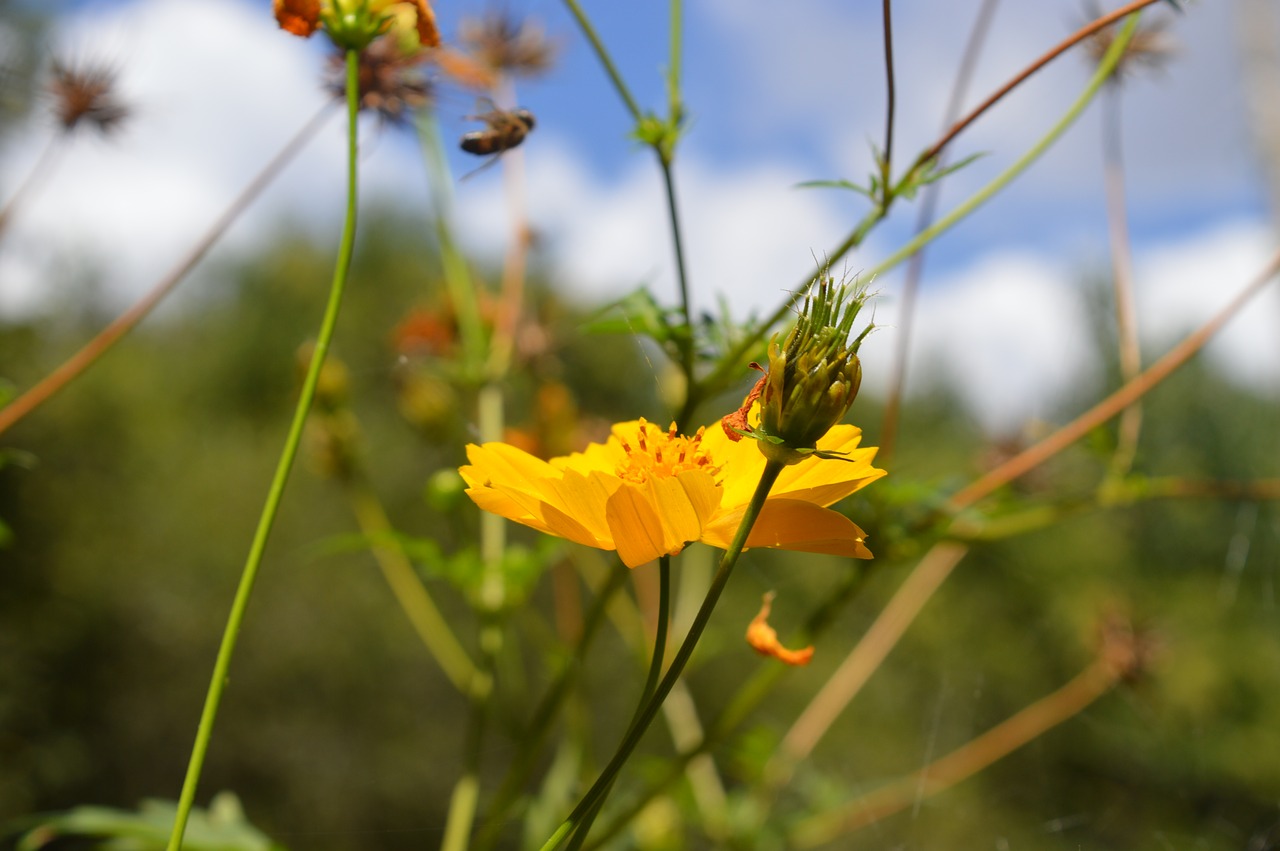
(504, 130)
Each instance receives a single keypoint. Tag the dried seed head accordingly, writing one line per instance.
(84, 95)
(1151, 48)
(392, 82)
(508, 45)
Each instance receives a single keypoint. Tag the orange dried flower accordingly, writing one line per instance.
(299, 17)
(84, 95)
(764, 639)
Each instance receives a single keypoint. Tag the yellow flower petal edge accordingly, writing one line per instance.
(648, 492)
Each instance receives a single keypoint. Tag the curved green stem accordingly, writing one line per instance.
(543, 717)
(646, 693)
(457, 274)
(605, 59)
(1101, 75)
(682, 276)
(646, 716)
(748, 696)
(225, 651)
(726, 371)
(412, 595)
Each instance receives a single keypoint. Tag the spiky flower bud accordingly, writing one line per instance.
(814, 375)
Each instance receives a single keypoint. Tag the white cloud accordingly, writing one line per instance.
(1183, 284)
(1007, 329)
(209, 112)
(1008, 334)
(749, 234)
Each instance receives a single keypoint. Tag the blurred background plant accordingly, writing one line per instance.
(1100, 668)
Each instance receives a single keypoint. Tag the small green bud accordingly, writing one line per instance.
(814, 375)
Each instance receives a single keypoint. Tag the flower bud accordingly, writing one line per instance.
(814, 375)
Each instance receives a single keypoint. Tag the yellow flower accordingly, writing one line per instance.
(647, 492)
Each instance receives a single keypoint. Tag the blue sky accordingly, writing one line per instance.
(777, 94)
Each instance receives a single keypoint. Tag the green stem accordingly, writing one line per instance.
(603, 55)
(685, 339)
(221, 667)
(646, 716)
(532, 740)
(646, 693)
(457, 274)
(675, 108)
(414, 598)
(748, 696)
(987, 192)
(730, 365)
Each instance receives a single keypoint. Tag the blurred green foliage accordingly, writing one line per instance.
(130, 518)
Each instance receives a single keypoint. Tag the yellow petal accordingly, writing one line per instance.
(792, 524)
(741, 463)
(584, 498)
(683, 504)
(523, 508)
(496, 502)
(824, 481)
(637, 529)
(500, 462)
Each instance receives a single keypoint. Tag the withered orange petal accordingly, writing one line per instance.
(428, 32)
(300, 17)
(763, 639)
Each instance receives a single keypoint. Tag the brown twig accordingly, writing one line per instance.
(886, 164)
(89, 354)
(1112, 405)
(928, 209)
(1122, 283)
(866, 656)
(1075, 38)
(995, 744)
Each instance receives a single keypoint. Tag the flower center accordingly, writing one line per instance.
(661, 455)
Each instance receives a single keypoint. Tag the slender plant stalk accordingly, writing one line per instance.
(515, 265)
(675, 105)
(414, 599)
(1032, 722)
(1075, 38)
(866, 656)
(38, 174)
(924, 218)
(493, 528)
(730, 365)
(457, 274)
(646, 693)
(886, 158)
(533, 739)
(682, 276)
(1130, 427)
(646, 716)
(987, 192)
(606, 60)
(89, 354)
(748, 696)
(274, 495)
(1109, 407)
